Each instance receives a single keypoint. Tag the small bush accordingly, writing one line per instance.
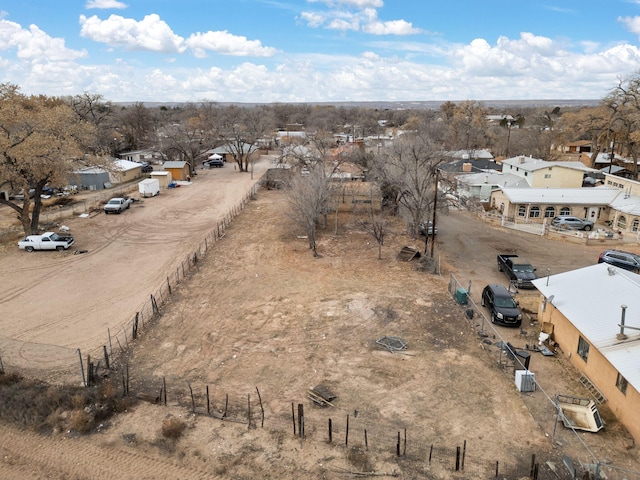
(81, 421)
(173, 428)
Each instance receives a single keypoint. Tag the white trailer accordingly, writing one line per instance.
(149, 187)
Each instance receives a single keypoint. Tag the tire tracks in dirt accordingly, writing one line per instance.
(70, 458)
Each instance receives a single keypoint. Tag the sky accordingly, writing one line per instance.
(307, 51)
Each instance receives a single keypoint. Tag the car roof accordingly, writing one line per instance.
(498, 289)
(611, 250)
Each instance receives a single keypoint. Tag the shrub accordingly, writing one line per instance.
(173, 428)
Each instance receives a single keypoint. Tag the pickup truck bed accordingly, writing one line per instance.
(520, 271)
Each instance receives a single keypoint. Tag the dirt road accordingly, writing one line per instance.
(261, 311)
(56, 302)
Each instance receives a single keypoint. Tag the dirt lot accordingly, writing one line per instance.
(261, 313)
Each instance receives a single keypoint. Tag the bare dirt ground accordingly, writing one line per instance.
(261, 312)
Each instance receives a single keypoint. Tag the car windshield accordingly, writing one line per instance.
(114, 201)
(505, 302)
(55, 237)
(523, 268)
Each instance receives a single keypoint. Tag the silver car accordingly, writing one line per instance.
(572, 223)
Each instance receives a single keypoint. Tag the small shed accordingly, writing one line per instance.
(125, 171)
(91, 178)
(179, 170)
(164, 178)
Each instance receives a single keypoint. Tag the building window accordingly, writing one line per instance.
(622, 222)
(534, 212)
(565, 211)
(622, 383)
(522, 211)
(547, 175)
(635, 225)
(583, 349)
(549, 212)
(526, 173)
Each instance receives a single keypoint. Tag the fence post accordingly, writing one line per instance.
(84, 380)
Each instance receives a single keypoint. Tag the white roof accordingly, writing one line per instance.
(493, 177)
(591, 298)
(627, 204)
(531, 164)
(563, 196)
(124, 165)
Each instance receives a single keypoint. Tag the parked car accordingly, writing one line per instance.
(572, 223)
(46, 241)
(627, 260)
(426, 228)
(214, 162)
(118, 205)
(501, 305)
(146, 168)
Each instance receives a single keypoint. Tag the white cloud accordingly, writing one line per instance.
(151, 33)
(364, 18)
(361, 4)
(632, 24)
(35, 45)
(105, 4)
(225, 43)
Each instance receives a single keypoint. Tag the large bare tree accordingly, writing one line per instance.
(42, 141)
(240, 129)
(409, 172)
(308, 196)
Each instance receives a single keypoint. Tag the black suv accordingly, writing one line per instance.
(504, 309)
(627, 260)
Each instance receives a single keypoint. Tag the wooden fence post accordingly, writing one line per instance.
(300, 420)
(164, 390)
(293, 417)
(208, 404)
(398, 446)
(193, 402)
(457, 458)
(106, 357)
(168, 285)
(248, 411)
(464, 453)
(330, 432)
(366, 441)
(261, 408)
(346, 437)
(84, 380)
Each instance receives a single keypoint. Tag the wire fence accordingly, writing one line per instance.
(513, 360)
(63, 365)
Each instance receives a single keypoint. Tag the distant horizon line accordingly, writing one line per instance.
(395, 103)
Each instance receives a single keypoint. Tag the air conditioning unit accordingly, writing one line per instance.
(525, 381)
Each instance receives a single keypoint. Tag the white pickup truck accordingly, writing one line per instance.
(117, 205)
(46, 241)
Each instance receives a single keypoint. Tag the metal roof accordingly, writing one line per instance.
(174, 164)
(563, 196)
(591, 299)
(629, 204)
(531, 164)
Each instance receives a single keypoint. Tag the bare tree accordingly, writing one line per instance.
(240, 129)
(93, 109)
(409, 172)
(42, 141)
(375, 224)
(308, 196)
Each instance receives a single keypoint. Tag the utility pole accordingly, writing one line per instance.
(435, 205)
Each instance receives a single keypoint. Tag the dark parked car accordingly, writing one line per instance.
(426, 228)
(572, 223)
(146, 168)
(503, 308)
(627, 260)
(214, 162)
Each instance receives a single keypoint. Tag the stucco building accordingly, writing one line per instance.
(587, 307)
